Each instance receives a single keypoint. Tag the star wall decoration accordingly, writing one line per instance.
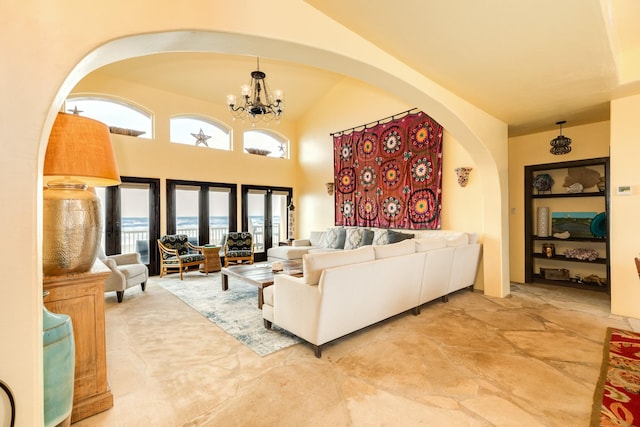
(201, 138)
(75, 110)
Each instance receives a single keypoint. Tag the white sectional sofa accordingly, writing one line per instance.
(342, 292)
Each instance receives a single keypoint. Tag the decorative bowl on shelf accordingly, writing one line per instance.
(258, 151)
(123, 131)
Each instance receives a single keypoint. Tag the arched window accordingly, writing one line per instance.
(266, 143)
(122, 117)
(192, 130)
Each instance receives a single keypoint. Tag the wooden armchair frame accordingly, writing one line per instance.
(171, 260)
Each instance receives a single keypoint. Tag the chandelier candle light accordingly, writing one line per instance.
(79, 154)
(257, 102)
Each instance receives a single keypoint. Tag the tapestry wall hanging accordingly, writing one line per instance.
(389, 175)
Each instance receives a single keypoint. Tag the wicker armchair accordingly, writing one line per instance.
(238, 248)
(177, 253)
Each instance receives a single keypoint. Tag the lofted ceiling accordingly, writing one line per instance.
(528, 63)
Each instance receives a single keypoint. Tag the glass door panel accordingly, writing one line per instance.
(279, 217)
(187, 216)
(256, 211)
(219, 214)
(134, 213)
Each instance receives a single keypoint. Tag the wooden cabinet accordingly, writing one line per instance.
(559, 266)
(81, 296)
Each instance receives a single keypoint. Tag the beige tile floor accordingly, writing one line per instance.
(531, 359)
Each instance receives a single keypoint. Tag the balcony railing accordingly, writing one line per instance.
(137, 241)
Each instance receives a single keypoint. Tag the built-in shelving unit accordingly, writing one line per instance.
(581, 273)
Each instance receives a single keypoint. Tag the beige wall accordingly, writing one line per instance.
(159, 158)
(625, 210)
(51, 46)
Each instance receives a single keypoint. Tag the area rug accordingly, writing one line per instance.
(616, 400)
(235, 311)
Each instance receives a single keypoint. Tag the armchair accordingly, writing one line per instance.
(238, 248)
(177, 253)
(127, 270)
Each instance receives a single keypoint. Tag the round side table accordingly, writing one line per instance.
(212, 253)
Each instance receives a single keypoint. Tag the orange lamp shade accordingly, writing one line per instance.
(80, 149)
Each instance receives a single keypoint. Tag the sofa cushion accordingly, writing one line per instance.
(430, 243)
(395, 236)
(380, 236)
(356, 237)
(316, 238)
(461, 239)
(301, 242)
(334, 238)
(395, 249)
(314, 263)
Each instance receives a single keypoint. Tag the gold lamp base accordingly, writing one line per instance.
(71, 229)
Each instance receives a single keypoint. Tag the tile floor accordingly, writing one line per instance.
(531, 359)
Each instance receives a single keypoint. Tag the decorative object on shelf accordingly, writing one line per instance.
(575, 188)
(257, 101)
(543, 182)
(563, 235)
(555, 274)
(602, 184)
(201, 138)
(127, 132)
(548, 250)
(543, 222)
(594, 279)
(258, 151)
(330, 188)
(463, 175)
(582, 175)
(576, 223)
(598, 225)
(560, 144)
(582, 254)
(79, 154)
(291, 224)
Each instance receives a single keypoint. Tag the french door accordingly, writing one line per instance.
(204, 211)
(265, 215)
(132, 219)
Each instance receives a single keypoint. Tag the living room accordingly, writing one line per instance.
(65, 37)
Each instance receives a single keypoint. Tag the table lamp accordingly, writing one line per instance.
(79, 156)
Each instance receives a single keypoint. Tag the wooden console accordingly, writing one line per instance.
(81, 296)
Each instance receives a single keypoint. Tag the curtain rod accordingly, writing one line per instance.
(372, 124)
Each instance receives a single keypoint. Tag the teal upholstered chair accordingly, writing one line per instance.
(177, 253)
(238, 248)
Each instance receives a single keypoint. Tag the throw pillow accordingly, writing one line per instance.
(316, 238)
(356, 237)
(395, 237)
(334, 238)
(459, 240)
(380, 236)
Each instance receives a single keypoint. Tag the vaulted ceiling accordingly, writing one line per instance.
(528, 63)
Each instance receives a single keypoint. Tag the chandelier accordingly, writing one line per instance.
(560, 144)
(257, 102)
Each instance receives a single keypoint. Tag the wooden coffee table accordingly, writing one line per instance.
(259, 275)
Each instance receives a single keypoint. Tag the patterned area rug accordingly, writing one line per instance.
(235, 311)
(616, 400)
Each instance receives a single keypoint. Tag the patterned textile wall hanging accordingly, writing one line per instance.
(390, 175)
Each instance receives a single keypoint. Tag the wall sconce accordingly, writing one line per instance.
(463, 175)
(330, 188)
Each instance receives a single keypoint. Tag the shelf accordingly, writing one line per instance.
(570, 284)
(557, 199)
(555, 195)
(573, 239)
(565, 259)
